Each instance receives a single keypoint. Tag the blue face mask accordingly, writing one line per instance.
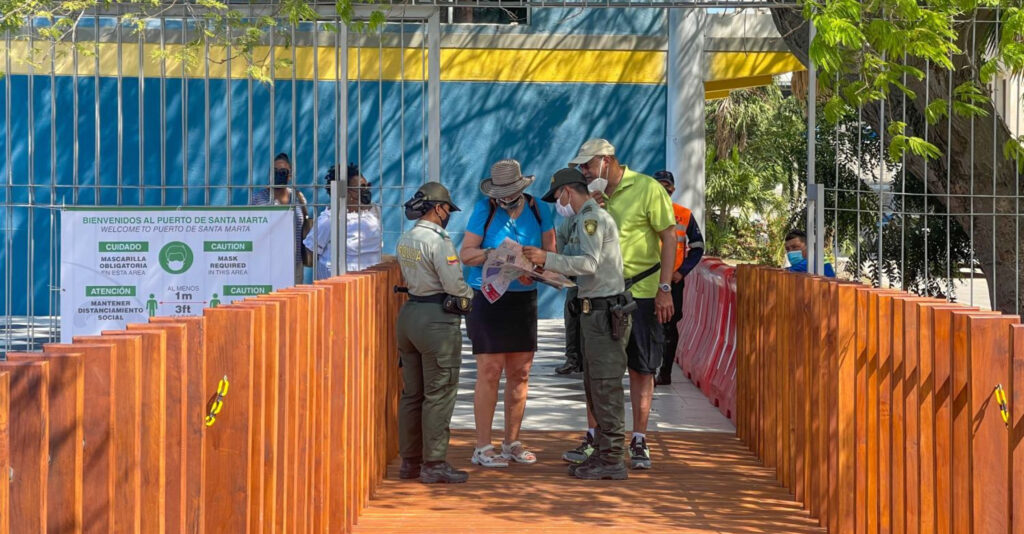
(795, 257)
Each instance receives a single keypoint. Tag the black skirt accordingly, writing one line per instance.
(508, 325)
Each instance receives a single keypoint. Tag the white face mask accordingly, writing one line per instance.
(565, 210)
(597, 185)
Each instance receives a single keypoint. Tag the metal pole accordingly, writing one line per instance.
(815, 251)
(434, 95)
(339, 261)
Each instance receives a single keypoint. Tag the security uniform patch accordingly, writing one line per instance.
(590, 226)
(452, 260)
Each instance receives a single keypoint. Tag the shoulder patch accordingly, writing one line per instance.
(590, 226)
(452, 260)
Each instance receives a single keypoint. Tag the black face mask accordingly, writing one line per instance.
(444, 221)
(281, 177)
(511, 205)
(364, 196)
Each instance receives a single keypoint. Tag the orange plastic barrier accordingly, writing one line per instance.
(880, 410)
(707, 332)
(118, 432)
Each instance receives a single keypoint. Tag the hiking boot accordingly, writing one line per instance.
(410, 468)
(567, 368)
(581, 453)
(639, 454)
(602, 471)
(664, 378)
(442, 472)
(574, 467)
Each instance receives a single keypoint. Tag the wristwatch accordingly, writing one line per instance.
(664, 287)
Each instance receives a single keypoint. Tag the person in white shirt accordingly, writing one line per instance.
(363, 239)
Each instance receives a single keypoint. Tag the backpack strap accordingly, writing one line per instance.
(492, 206)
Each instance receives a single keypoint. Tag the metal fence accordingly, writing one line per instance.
(947, 227)
(107, 125)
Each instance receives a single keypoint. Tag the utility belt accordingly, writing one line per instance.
(621, 308)
(450, 303)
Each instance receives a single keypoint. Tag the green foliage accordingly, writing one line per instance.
(755, 143)
(216, 23)
(865, 51)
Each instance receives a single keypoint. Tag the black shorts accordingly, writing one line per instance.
(647, 340)
(508, 325)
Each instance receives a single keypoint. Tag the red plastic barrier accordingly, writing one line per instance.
(707, 332)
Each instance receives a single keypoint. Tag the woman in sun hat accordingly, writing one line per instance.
(504, 334)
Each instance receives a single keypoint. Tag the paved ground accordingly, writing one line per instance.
(556, 402)
(704, 479)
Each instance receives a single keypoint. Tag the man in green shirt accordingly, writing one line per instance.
(643, 212)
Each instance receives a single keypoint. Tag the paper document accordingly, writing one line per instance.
(506, 263)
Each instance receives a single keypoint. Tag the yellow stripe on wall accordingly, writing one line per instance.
(457, 64)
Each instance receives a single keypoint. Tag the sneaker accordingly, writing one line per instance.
(410, 468)
(602, 471)
(442, 472)
(640, 455)
(567, 368)
(581, 453)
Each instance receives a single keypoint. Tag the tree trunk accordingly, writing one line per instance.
(976, 176)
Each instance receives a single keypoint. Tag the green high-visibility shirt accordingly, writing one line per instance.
(641, 208)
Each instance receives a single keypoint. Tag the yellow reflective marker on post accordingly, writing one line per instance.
(217, 403)
(1001, 401)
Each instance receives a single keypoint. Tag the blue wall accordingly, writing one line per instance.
(541, 124)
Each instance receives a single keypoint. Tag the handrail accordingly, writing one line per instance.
(275, 413)
(878, 408)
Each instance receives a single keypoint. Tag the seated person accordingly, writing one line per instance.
(796, 253)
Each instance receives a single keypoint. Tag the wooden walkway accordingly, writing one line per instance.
(702, 482)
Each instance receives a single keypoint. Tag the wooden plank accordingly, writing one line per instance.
(1015, 398)
(66, 409)
(989, 365)
(861, 407)
(153, 456)
(98, 422)
(29, 443)
(127, 390)
(230, 341)
(337, 490)
(176, 396)
(259, 435)
(831, 443)
(284, 418)
(194, 414)
(274, 350)
(884, 411)
(5, 451)
(303, 451)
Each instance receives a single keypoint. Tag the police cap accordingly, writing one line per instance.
(435, 192)
(562, 178)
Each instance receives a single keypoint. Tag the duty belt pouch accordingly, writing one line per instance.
(620, 314)
(457, 305)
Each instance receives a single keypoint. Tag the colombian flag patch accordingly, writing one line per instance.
(453, 260)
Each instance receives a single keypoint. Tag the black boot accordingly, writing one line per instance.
(603, 471)
(568, 367)
(442, 472)
(410, 468)
(664, 377)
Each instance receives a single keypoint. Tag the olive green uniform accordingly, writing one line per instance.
(591, 253)
(429, 341)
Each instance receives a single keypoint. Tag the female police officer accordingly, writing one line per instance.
(429, 339)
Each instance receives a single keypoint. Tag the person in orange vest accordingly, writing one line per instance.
(689, 251)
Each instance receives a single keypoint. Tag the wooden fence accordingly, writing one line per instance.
(109, 433)
(880, 410)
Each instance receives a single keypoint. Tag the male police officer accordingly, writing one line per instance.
(592, 255)
(429, 339)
